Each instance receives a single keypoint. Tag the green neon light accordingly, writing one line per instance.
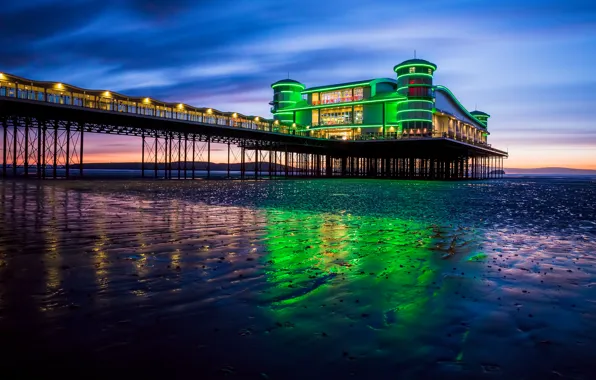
(416, 110)
(425, 120)
(448, 92)
(415, 65)
(415, 100)
(401, 99)
(417, 85)
(340, 126)
(325, 89)
(291, 92)
(286, 101)
(300, 86)
(414, 74)
(283, 112)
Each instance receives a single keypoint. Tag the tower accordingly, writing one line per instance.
(415, 81)
(286, 93)
(481, 116)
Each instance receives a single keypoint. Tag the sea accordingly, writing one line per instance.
(299, 278)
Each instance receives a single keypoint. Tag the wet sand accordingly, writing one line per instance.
(298, 279)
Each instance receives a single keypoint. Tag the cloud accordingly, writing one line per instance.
(527, 63)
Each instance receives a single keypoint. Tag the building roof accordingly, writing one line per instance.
(287, 81)
(350, 84)
(479, 113)
(414, 62)
(68, 89)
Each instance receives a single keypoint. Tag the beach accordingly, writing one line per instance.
(295, 279)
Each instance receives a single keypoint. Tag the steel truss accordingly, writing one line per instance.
(50, 148)
(41, 148)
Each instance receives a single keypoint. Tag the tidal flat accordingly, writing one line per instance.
(299, 279)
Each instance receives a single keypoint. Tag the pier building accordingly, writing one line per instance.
(406, 106)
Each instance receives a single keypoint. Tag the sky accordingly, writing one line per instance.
(529, 64)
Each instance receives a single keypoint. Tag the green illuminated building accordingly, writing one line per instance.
(409, 106)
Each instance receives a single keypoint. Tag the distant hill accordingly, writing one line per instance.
(264, 166)
(149, 165)
(551, 170)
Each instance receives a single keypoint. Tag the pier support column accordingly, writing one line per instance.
(328, 166)
(156, 150)
(185, 155)
(142, 153)
(179, 154)
(81, 150)
(55, 166)
(431, 171)
(270, 163)
(256, 163)
(242, 162)
(208, 157)
(39, 151)
(43, 154)
(67, 165)
(4, 143)
(286, 161)
(15, 137)
(228, 159)
(192, 166)
(26, 161)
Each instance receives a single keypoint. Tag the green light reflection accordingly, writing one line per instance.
(372, 267)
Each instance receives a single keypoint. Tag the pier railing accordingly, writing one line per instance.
(59, 94)
(407, 136)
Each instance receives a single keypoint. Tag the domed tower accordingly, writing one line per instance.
(481, 116)
(286, 93)
(415, 81)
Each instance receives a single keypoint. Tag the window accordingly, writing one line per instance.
(341, 96)
(418, 92)
(422, 80)
(358, 93)
(412, 70)
(358, 115)
(338, 96)
(430, 71)
(341, 116)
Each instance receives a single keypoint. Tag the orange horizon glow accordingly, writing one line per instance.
(588, 163)
(101, 148)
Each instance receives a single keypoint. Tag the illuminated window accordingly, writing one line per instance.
(418, 92)
(358, 93)
(358, 115)
(341, 116)
(412, 70)
(430, 71)
(339, 96)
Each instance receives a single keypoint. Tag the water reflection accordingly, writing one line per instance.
(107, 270)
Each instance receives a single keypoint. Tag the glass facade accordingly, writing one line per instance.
(338, 116)
(338, 96)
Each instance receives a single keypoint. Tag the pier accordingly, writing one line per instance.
(44, 125)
